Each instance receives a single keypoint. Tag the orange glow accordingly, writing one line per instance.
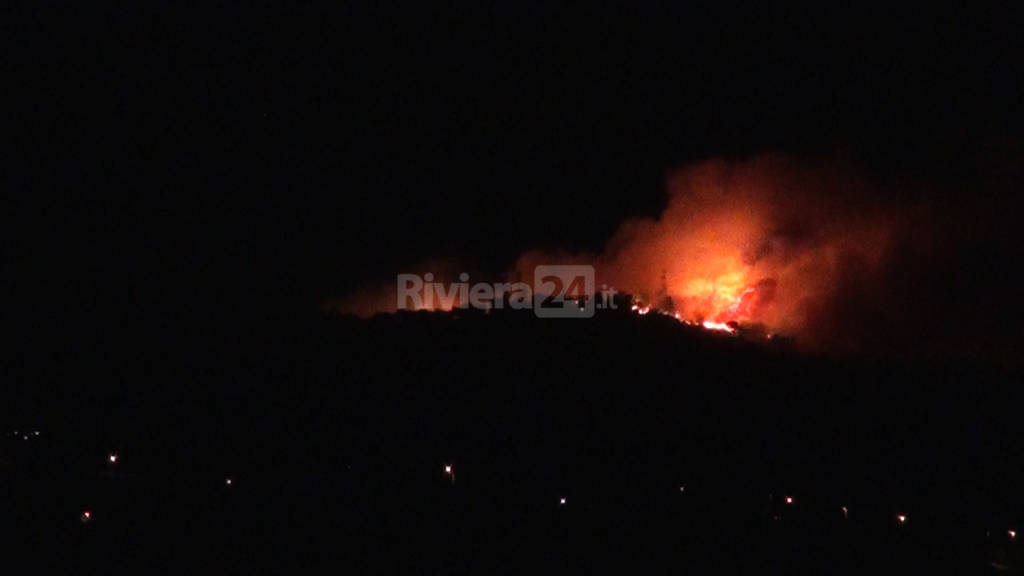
(780, 246)
(718, 326)
(767, 243)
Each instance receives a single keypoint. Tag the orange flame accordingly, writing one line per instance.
(763, 242)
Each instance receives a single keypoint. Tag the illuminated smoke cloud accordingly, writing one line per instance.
(764, 242)
(810, 249)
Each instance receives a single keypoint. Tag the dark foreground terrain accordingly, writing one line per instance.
(674, 448)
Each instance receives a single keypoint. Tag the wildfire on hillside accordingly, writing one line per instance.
(769, 243)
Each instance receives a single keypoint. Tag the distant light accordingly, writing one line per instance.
(682, 488)
(1012, 534)
(846, 512)
(448, 469)
(227, 481)
(789, 499)
(86, 516)
(561, 501)
(901, 519)
(112, 458)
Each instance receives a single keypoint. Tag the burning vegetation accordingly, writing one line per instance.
(763, 243)
(816, 252)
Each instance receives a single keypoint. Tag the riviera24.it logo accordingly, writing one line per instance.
(558, 291)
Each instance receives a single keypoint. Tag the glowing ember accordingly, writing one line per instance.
(718, 326)
(728, 327)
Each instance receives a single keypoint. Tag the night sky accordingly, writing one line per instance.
(250, 161)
